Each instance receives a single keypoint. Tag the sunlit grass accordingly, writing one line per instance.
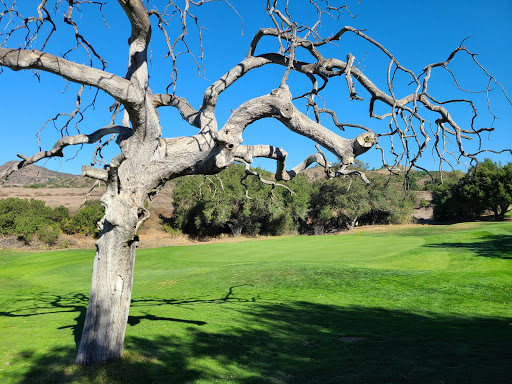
(427, 304)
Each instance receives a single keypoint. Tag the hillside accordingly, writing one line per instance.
(32, 174)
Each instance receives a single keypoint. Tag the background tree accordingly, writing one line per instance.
(146, 160)
(205, 206)
(342, 202)
(487, 187)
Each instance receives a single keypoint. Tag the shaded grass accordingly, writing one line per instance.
(428, 305)
(299, 343)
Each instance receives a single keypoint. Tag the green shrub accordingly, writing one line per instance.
(25, 217)
(49, 234)
(85, 221)
(174, 232)
(60, 214)
(64, 243)
(10, 209)
(26, 226)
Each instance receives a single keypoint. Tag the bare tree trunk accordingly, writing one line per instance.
(351, 223)
(111, 288)
(318, 230)
(236, 229)
(502, 211)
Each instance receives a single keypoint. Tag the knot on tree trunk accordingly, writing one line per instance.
(284, 103)
(286, 110)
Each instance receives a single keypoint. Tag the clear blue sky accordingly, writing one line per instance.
(417, 33)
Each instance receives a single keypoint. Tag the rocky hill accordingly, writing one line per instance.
(32, 174)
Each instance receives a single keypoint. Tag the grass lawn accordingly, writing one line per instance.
(428, 304)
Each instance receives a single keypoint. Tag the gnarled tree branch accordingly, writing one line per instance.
(187, 112)
(58, 147)
(117, 87)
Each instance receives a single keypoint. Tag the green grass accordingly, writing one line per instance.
(429, 304)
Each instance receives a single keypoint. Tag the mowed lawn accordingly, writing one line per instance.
(425, 304)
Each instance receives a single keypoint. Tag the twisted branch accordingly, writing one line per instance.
(57, 150)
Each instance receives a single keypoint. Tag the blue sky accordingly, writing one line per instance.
(417, 33)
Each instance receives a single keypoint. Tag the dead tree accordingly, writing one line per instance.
(146, 160)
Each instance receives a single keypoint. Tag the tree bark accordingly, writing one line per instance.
(351, 223)
(111, 288)
(236, 229)
(502, 210)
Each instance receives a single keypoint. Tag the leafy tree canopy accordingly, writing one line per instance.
(232, 202)
(487, 187)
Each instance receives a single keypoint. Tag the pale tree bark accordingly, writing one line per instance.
(236, 229)
(146, 160)
(109, 301)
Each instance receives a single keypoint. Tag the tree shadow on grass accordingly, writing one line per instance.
(494, 246)
(304, 342)
(45, 303)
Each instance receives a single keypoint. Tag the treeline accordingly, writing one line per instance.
(235, 204)
(28, 218)
(486, 188)
(230, 203)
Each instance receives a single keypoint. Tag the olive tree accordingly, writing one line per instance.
(235, 202)
(341, 203)
(486, 187)
(146, 160)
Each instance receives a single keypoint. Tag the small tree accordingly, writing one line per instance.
(49, 234)
(85, 221)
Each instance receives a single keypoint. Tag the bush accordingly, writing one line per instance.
(174, 232)
(64, 244)
(49, 234)
(24, 217)
(10, 210)
(26, 226)
(85, 221)
(60, 215)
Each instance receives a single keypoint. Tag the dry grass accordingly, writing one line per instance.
(71, 198)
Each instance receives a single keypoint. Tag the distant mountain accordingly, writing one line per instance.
(75, 181)
(33, 174)
(315, 173)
